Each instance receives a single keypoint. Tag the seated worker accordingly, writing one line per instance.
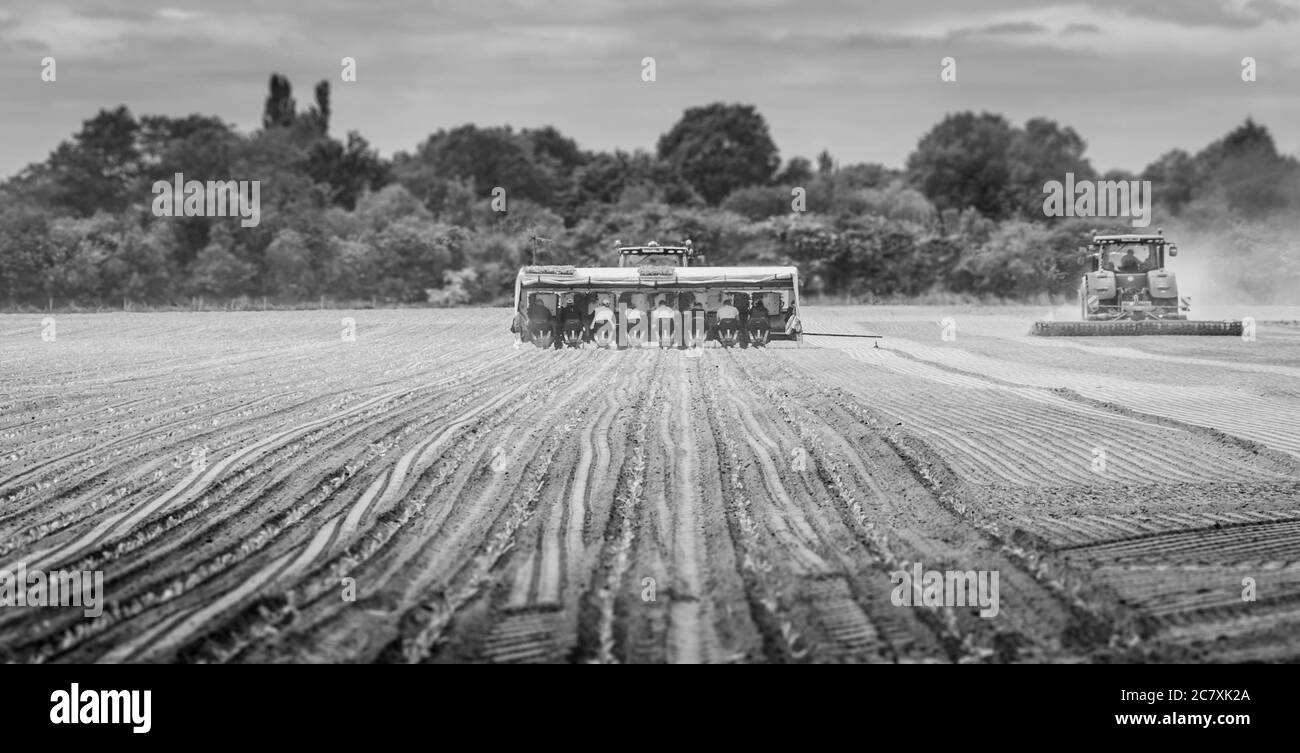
(695, 323)
(602, 312)
(759, 328)
(572, 317)
(539, 319)
(727, 311)
(758, 314)
(602, 316)
(728, 318)
(632, 315)
(663, 319)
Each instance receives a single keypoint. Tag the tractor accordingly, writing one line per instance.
(1126, 290)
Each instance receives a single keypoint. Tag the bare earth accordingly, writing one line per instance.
(256, 489)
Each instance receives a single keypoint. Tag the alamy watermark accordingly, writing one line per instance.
(1099, 198)
(77, 706)
(946, 588)
(216, 198)
(57, 588)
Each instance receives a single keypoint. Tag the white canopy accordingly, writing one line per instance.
(629, 278)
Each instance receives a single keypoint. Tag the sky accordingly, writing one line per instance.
(859, 78)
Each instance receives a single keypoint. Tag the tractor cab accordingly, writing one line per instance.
(1129, 253)
(654, 255)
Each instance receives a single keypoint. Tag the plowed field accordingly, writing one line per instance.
(255, 488)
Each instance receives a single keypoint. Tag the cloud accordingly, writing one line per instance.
(1227, 14)
(1006, 27)
(861, 79)
(101, 32)
(1080, 29)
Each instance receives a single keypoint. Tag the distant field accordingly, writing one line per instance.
(255, 488)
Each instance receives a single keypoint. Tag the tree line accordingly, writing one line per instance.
(964, 216)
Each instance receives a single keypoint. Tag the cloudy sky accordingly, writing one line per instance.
(859, 78)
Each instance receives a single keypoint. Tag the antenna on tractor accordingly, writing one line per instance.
(535, 238)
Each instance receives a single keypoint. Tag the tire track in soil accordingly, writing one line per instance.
(435, 610)
(387, 488)
(690, 637)
(1035, 619)
(340, 445)
(223, 433)
(877, 627)
(679, 624)
(840, 627)
(1062, 454)
(149, 562)
(329, 625)
(533, 617)
(1088, 530)
(253, 483)
(761, 566)
(1196, 583)
(610, 592)
(1250, 416)
(163, 590)
(117, 525)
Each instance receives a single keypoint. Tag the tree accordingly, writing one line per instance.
(97, 169)
(289, 266)
(798, 172)
(719, 148)
(487, 158)
(24, 249)
(1173, 179)
(348, 170)
(320, 113)
(1039, 152)
(554, 152)
(1244, 171)
(413, 254)
(198, 146)
(825, 165)
(963, 162)
(759, 202)
(218, 271)
(619, 177)
(280, 108)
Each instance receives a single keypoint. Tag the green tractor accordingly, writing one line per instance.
(1126, 290)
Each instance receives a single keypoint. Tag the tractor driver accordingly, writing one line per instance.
(1129, 262)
